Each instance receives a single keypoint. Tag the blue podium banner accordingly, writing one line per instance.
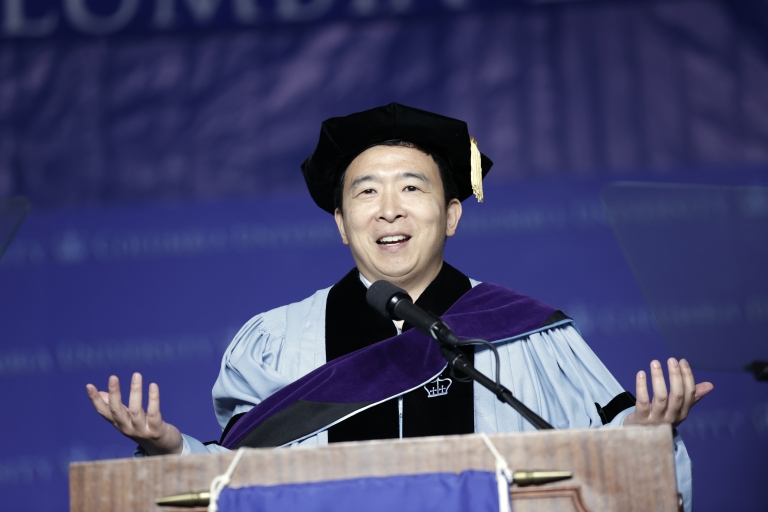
(470, 491)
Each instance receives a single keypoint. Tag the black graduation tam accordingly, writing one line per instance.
(343, 138)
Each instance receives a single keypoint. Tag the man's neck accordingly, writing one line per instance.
(413, 291)
(414, 287)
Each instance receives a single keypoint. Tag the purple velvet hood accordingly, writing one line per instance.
(361, 379)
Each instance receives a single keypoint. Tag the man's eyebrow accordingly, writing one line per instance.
(370, 177)
(416, 175)
(361, 179)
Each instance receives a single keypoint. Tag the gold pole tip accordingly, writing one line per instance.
(538, 477)
(189, 499)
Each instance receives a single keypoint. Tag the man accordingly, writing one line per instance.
(394, 177)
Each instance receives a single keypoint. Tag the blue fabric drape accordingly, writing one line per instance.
(470, 491)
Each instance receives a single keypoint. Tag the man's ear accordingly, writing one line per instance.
(453, 215)
(339, 218)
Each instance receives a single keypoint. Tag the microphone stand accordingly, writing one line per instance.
(394, 303)
(448, 348)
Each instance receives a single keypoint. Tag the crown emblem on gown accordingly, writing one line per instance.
(438, 387)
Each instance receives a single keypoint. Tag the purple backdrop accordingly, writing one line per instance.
(168, 206)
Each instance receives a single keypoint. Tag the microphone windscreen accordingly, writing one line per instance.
(379, 294)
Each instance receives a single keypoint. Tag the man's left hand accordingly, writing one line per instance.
(667, 408)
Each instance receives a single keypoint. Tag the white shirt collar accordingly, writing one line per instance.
(368, 284)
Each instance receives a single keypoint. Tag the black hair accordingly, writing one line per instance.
(450, 191)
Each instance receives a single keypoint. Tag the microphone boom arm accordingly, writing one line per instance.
(395, 303)
(400, 307)
(458, 360)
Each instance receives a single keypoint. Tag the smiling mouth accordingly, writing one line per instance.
(392, 240)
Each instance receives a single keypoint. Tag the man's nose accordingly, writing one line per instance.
(391, 206)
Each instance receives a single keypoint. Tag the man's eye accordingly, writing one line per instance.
(411, 188)
(368, 191)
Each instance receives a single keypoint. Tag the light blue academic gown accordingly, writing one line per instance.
(551, 370)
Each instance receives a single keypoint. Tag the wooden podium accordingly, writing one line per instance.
(618, 469)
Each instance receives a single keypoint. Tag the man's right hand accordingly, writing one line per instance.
(146, 428)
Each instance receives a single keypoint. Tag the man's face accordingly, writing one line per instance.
(395, 219)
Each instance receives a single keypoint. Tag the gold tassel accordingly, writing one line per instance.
(476, 174)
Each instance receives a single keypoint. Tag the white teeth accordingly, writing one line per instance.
(392, 239)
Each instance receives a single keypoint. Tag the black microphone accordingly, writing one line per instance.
(394, 303)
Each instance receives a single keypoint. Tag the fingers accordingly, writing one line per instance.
(108, 404)
(676, 391)
(660, 397)
(97, 399)
(667, 408)
(135, 410)
(149, 430)
(689, 385)
(116, 407)
(702, 388)
(698, 390)
(643, 401)
(113, 388)
(154, 419)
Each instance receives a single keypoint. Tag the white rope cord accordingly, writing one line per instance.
(220, 482)
(503, 475)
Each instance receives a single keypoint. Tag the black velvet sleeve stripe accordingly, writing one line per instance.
(298, 419)
(619, 403)
(557, 316)
(231, 423)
